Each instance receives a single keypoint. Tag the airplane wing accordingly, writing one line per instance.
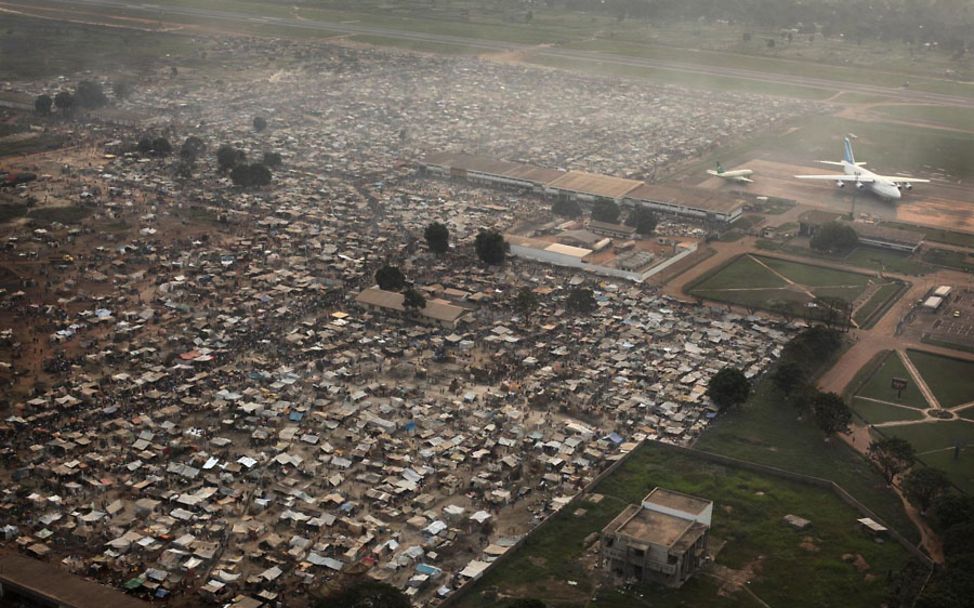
(839, 178)
(712, 172)
(839, 164)
(902, 179)
(745, 180)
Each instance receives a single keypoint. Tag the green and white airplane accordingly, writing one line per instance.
(741, 176)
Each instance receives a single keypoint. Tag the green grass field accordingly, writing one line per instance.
(747, 515)
(767, 430)
(878, 385)
(934, 441)
(872, 310)
(951, 380)
(763, 282)
(877, 413)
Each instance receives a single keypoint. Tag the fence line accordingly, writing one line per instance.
(838, 490)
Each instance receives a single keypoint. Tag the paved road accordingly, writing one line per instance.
(158, 12)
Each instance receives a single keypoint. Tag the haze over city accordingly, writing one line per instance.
(493, 303)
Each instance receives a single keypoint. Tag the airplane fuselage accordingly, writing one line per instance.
(740, 175)
(876, 184)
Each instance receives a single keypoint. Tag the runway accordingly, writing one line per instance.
(158, 13)
(937, 204)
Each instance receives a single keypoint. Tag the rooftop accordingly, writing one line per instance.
(655, 527)
(677, 500)
(687, 196)
(594, 184)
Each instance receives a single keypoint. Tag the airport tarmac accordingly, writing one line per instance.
(937, 204)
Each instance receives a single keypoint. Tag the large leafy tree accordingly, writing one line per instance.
(43, 104)
(260, 123)
(923, 484)
(787, 377)
(834, 237)
(525, 301)
(228, 157)
(831, 413)
(437, 237)
(643, 220)
(390, 278)
(191, 149)
(566, 207)
(892, 455)
(366, 594)
(605, 211)
(413, 300)
(728, 387)
(90, 94)
(491, 247)
(65, 102)
(581, 299)
(251, 175)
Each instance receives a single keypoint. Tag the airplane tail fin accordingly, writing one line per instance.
(849, 158)
(719, 168)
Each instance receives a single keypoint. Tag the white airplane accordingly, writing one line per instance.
(885, 186)
(741, 176)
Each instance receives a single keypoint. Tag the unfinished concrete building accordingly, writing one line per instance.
(662, 540)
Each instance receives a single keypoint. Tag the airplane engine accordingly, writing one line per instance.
(860, 185)
(840, 184)
(908, 186)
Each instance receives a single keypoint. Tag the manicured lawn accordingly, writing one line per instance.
(747, 514)
(951, 380)
(876, 413)
(878, 385)
(762, 282)
(889, 261)
(767, 430)
(815, 276)
(741, 272)
(935, 435)
(959, 469)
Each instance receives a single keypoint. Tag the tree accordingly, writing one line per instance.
(390, 278)
(191, 149)
(366, 593)
(581, 299)
(228, 157)
(122, 89)
(831, 413)
(250, 176)
(643, 220)
(834, 237)
(835, 312)
(951, 509)
(923, 484)
(64, 101)
(892, 455)
(605, 211)
(89, 94)
(787, 377)
(145, 145)
(491, 247)
(728, 387)
(525, 301)
(161, 146)
(272, 159)
(43, 104)
(437, 237)
(566, 207)
(260, 123)
(413, 300)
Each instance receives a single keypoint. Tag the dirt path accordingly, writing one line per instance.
(918, 379)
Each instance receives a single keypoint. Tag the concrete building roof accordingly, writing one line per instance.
(677, 500)
(713, 201)
(46, 580)
(437, 309)
(594, 184)
(655, 527)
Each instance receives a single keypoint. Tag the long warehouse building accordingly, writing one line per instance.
(700, 203)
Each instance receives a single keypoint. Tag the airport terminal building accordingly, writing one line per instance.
(687, 201)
